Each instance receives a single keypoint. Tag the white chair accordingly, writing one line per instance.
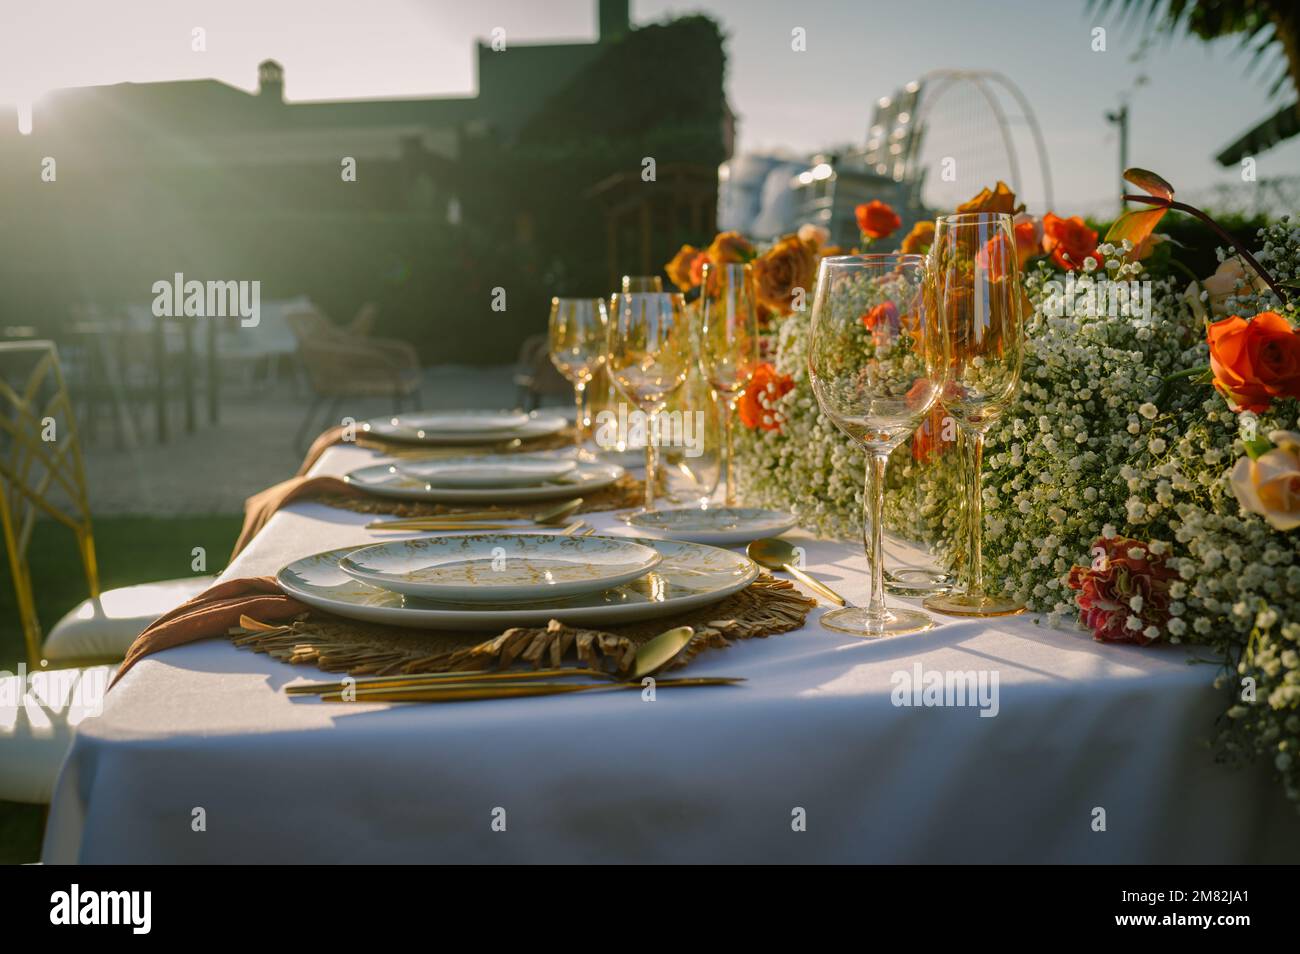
(41, 473)
(39, 713)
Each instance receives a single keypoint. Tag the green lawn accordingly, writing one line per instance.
(130, 550)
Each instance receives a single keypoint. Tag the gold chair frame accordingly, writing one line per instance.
(31, 468)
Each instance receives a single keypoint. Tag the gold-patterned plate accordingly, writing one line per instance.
(500, 567)
(689, 576)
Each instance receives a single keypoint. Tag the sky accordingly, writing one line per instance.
(1197, 97)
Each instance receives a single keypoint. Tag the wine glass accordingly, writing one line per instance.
(631, 284)
(649, 354)
(976, 286)
(728, 346)
(877, 359)
(578, 338)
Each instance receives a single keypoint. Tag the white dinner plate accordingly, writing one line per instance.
(718, 526)
(489, 470)
(462, 422)
(500, 567)
(407, 427)
(690, 576)
(386, 480)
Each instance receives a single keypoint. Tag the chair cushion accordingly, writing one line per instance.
(104, 628)
(39, 713)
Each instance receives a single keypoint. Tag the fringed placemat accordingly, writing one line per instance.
(624, 493)
(556, 441)
(764, 608)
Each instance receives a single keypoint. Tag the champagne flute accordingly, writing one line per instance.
(976, 285)
(728, 347)
(648, 357)
(578, 339)
(877, 359)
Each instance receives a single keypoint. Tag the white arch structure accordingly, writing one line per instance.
(938, 83)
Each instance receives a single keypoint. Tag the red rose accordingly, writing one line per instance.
(883, 323)
(876, 220)
(1124, 568)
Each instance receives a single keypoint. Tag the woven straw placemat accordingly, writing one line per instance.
(764, 608)
(624, 493)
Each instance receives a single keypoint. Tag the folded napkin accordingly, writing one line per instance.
(212, 613)
(260, 507)
(319, 446)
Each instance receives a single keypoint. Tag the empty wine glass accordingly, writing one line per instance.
(631, 284)
(878, 361)
(728, 347)
(578, 338)
(649, 353)
(976, 286)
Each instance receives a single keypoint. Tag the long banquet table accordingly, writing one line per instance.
(698, 775)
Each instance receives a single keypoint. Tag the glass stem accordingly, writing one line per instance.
(579, 421)
(975, 512)
(651, 462)
(874, 504)
(728, 458)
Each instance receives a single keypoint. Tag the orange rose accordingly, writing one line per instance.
(1029, 237)
(1000, 199)
(681, 271)
(883, 322)
(757, 405)
(876, 220)
(1069, 241)
(919, 240)
(1254, 361)
(729, 248)
(787, 265)
(826, 251)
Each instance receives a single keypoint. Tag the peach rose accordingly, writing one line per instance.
(729, 248)
(999, 199)
(1069, 241)
(814, 235)
(1270, 484)
(787, 265)
(876, 220)
(1223, 284)
(1254, 361)
(919, 240)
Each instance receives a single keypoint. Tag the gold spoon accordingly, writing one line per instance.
(777, 554)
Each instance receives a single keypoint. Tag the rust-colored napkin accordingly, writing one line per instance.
(212, 613)
(260, 507)
(319, 446)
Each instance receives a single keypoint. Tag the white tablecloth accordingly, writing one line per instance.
(697, 775)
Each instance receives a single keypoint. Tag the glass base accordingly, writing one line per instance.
(857, 621)
(916, 582)
(966, 604)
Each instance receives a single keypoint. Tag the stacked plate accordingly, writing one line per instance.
(465, 428)
(494, 581)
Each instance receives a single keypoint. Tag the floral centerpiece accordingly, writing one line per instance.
(1145, 483)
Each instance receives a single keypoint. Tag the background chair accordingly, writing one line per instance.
(535, 376)
(41, 474)
(341, 363)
